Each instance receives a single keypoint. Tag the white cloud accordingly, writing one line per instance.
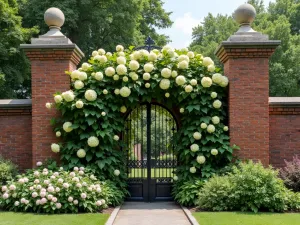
(186, 23)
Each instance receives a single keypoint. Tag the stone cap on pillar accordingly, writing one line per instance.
(53, 39)
(254, 43)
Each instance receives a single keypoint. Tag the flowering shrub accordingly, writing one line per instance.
(8, 170)
(250, 187)
(47, 191)
(109, 86)
(291, 174)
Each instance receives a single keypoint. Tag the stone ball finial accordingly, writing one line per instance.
(54, 18)
(245, 14)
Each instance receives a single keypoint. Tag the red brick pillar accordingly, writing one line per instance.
(246, 63)
(50, 55)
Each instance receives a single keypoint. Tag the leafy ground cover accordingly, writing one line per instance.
(241, 218)
(11, 218)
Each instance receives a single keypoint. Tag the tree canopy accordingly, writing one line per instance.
(280, 20)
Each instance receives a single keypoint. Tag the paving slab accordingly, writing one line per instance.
(155, 213)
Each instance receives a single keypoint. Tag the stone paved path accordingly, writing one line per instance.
(156, 213)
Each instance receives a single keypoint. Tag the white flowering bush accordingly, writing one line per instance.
(58, 191)
(107, 87)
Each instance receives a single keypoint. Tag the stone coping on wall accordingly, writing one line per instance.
(284, 105)
(13, 107)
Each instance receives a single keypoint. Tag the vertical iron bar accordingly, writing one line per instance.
(155, 149)
(148, 147)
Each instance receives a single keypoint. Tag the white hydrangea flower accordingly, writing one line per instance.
(79, 104)
(17, 203)
(166, 73)
(101, 58)
(183, 65)
(105, 92)
(90, 95)
(5, 196)
(94, 53)
(123, 109)
(110, 71)
(39, 163)
(147, 85)
(117, 91)
(75, 74)
(75, 202)
(78, 84)
(174, 73)
(213, 95)
(137, 55)
(193, 82)
(117, 172)
(203, 125)
(134, 77)
(116, 137)
(12, 187)
(108, 54)
(217, 78)
(207, 61)
(134, 65)
(121, 69)
(68, 96)
(58, 98)
(116, 77)
(98, 76)
(193, 169)
(83, 195)
(164, 84)
(98, 203)
(93, 141)
(58, 205)
(70, 199)
(215, 120)
(48, 105)
(152, 56)
(121, 60)
(67, 126)
(183, 58)
(181, 110)
(148, 67)
(121, 54)
(167, 95)
(206, 82)
(225, 128)
(191, 55)
(103, 113)
(125, 79)
(180, 80)
(85, 66)
(55, 148)
(4, 188)
(211, 68)
(185, 49)
(188, 88)
(125, 92)
(194, 147)
(197, 135)
(201, 159)
(217, 104)
(82, 76)
(211, 128)
(101, 51)
(224, 82)
(81, 153)
(119, 48)
(146, 76)
(175, 178)
(214, 152)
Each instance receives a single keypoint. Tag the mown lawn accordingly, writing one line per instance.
(11, 218)
(239, 218)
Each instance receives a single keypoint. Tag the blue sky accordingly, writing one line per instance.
(189, 13)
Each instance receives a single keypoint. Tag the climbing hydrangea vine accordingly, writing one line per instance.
(107, 87)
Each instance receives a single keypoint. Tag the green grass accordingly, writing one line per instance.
(239, 218)
(155, 173)
(11, 218)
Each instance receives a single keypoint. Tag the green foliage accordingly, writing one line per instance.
(47, 191)
(14, 67)
(186, 193)
(92, 24)
(250, 187)
(8, 170)
(291, 174)
(115, 196)
(102, 118)
(280, 22)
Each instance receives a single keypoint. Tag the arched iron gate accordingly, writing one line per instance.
(151, 161)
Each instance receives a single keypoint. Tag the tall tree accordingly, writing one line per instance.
(14, 67)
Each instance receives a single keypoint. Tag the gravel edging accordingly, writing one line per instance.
(113, 216)
(189, 215)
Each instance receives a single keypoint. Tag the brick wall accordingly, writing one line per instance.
(15, 135)
(284, 130)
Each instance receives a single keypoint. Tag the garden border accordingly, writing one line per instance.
(189, 215)
(113, 216)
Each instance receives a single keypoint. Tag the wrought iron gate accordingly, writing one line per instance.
(151, 161)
